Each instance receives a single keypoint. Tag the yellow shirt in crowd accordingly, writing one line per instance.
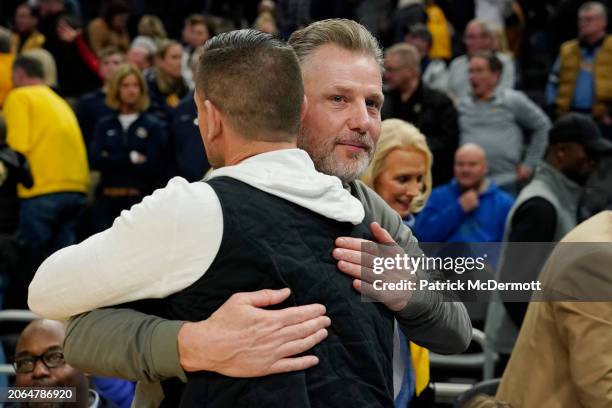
(6, 81)
(43, 127)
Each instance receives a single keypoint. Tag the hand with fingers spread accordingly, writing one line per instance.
(66, 32)
(243, 340)
(356, 258)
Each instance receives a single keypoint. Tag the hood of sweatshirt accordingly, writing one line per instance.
(291, 175)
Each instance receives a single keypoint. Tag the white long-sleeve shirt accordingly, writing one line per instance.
(165, 243)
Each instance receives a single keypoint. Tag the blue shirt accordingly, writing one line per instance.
(443, 218)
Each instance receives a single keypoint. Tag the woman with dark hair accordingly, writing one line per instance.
(166, 83)
(110, 28)
(25, 30)
(127, 148)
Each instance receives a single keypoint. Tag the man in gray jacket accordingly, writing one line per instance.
(498, 120)
(341, 124)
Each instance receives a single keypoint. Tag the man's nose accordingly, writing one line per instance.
(360, 118)
(40, 370)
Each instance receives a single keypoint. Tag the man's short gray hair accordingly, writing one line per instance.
(594, 5)
(344, 33)
(486, 28)
(407, 53)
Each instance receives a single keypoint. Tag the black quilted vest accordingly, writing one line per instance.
(272, 243)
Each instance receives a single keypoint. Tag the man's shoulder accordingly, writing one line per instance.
(460, 61)
(373, 204)
(376, 209)
(511, 96)
(33, 95)
(570, 45)
(186, 199)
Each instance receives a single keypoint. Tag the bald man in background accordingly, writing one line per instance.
(471, 208)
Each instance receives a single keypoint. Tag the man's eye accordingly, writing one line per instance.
(337, 98)
(373, 104)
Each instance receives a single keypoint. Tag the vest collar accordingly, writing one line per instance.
(591, 47)
(557, 179)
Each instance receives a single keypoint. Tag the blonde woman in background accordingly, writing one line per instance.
(400, 172)
(151, 26)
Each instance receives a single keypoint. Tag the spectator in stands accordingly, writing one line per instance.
(292, 15)
(493, 13)
(545, 210)
(190, 159)
(126, 148)
(440, 30)
(267, 23)
(597, 193)
(581, 78)
(165, 81)
(152, 27)
(141, 53)
(471, 208)
(14, 169)
(497, 119)
(433, 71)
(561, 356)
(6, 62)
(407, 13)
(478, 37)
(195, 34)
(48, 64)
(26, 35)
(400, 172)
(78, 75)
(92, 107)
(431, 111)
(110, 29)
(44, 128)
(39, 362)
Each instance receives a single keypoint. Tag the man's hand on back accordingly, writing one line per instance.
(356, 258)
(243, 340)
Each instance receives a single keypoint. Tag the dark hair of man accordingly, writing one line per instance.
(194, 19)
(31, 66)
(255, 80)
(419, 30)
(495, 64)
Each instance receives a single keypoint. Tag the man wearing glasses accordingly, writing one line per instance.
(39, 362)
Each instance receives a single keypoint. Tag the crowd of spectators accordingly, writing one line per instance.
(508, 104)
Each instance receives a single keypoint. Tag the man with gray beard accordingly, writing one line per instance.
(341, 70)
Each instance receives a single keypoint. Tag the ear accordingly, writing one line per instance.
(304, 109)
(214, 125)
